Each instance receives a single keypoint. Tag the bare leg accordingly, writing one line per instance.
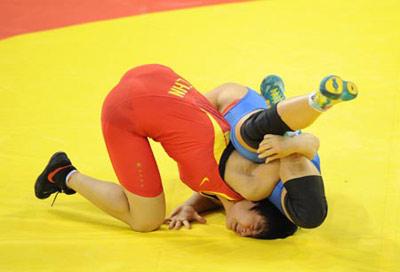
(302, 111)
(293, 114)
(140, 213)
(297, 113)
(109, 197)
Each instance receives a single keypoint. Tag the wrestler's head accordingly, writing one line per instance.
(259, 220)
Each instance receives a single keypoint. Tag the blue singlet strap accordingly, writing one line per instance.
(250, 102)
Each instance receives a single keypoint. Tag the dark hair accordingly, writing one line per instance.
(276, 224)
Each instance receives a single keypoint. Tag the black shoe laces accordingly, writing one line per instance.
(54, 199)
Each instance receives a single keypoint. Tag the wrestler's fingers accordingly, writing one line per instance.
(186, 224)
(178, 225)
(199, 218)
(268, 153)
(269, 136)
(265, 141)
(171, 224)
(263, 147)
(271, 158)
(262, 155)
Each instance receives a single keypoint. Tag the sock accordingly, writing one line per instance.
(319, 102)
(68, 176)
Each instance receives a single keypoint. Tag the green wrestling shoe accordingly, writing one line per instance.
(272, 89)
(333, 90)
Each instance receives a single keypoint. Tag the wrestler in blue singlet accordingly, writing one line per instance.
(251, 102)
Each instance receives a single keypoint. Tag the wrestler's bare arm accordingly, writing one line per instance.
(190, 211)
(202, 203)
(276, 147)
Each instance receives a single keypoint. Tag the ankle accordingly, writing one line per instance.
(70, 178)
(319, 102)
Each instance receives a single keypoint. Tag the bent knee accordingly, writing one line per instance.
(143, 227)
(147, 225)
(305, 201)
(311, 216)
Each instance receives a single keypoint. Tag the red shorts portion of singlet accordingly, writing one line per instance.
(152, 101)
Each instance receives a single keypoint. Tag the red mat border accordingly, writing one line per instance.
(24, 16)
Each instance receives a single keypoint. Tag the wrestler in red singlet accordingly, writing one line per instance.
(152, 101)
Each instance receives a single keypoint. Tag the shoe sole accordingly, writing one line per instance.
(332, 87)
(350, 92)
(338, 89)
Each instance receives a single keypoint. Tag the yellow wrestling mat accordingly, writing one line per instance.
(52, 85)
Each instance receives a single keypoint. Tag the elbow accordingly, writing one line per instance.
(316, 144)
(313, 148)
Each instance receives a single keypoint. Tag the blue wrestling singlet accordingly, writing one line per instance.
(252, 101)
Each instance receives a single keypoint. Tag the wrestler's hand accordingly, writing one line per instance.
(275, 147)
(183, 216)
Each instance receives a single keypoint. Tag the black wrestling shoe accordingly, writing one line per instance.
(52, 179)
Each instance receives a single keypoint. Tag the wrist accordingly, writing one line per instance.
(292, 145)
(188, 204)
(304, 147)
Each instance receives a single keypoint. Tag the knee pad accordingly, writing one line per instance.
(260, 123)
(305, 201)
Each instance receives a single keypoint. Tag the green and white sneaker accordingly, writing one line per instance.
(332, 90)
(272, 89)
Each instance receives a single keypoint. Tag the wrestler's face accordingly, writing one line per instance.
(242, 220)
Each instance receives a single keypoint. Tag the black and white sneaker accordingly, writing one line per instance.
(53, 178)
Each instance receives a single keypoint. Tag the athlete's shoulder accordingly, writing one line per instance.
(225, 94)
